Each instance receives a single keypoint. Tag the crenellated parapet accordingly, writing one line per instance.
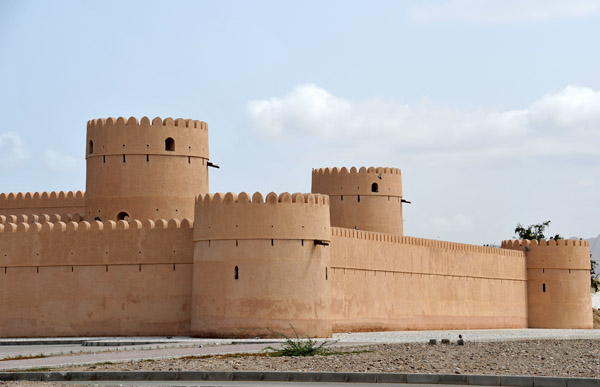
(558, 282)
(423, 242)
(286, 216)
(43, 218)
(36, 203)
(362, 199)
(118, 136)
(71, 224)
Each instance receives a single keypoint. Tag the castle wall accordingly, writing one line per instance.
(134, 171)
(558, 282)
(364, 199)
(387, 282)
(42, 203)
(99, 278)
(257, 268)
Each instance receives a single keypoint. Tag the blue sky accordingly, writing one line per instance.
(490, 108)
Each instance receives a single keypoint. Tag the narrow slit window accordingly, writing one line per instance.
(91, 147)
(104, 159)
(147, 158)
(374, 187)
(170, 144)
(237, 273)
(359, 198)
(124, 159)
(544, 288)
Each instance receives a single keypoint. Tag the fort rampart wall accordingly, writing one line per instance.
(558, 282)
(260, 264)
(363, 199)
(98, 278)
(386, 282)
(28, 203)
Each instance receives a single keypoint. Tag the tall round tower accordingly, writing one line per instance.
(558, 283)
(261, 265)
(365, 199)
(142, 169)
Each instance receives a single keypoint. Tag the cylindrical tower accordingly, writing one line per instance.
(261, 266)
(365, 199)
(145, 170)
(558, 283)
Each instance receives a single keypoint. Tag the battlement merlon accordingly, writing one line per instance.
(231, 216)
(168, 137)
(371, 181)
(553, 254)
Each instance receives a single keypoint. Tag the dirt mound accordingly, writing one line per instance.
(596, 318)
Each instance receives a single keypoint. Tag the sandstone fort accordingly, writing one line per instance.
(148, 250)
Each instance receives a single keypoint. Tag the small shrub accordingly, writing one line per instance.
(296, 346)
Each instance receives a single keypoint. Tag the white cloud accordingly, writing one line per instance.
(12, 149)
(564, 123)
(58, 162)
(503, 11)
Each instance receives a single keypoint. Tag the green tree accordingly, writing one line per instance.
(534, 231)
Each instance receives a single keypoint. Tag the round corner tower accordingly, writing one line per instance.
(558, 283)
(364, 199)
(261, 266)
(143, 169)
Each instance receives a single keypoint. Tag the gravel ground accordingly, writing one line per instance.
(572, 358)
(38, 384)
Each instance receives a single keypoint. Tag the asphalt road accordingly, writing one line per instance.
(250, 384)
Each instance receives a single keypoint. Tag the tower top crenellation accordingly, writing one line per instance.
(145, 122)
